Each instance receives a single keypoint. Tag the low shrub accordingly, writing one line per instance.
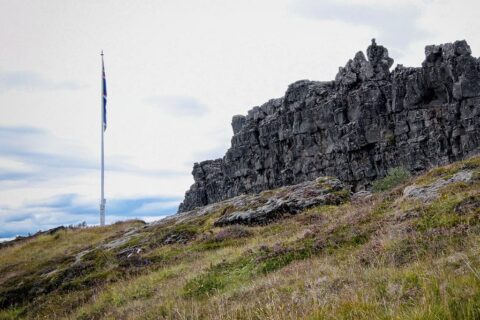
(395, 177)
(233, 232)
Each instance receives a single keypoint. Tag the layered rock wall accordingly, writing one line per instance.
(354, 128)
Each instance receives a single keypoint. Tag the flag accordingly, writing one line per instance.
(104, 91)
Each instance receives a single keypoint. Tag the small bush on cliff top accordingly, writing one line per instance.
(395, 177)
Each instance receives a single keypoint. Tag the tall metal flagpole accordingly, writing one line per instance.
(102, 129)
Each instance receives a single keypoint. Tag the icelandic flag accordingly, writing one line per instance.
(104, 92)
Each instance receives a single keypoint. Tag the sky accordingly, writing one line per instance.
(177, 71)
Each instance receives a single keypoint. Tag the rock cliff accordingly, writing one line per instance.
(366, 121)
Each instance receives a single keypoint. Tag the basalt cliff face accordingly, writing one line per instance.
(357, 127)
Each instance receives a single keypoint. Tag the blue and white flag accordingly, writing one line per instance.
(104, 91)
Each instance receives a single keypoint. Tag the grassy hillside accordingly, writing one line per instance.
(383, 256)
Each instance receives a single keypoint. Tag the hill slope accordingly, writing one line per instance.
(410, 251)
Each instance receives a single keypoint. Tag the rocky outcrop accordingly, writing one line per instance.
(263, 208)
(271, 205)
(355, 128)
(431, 191)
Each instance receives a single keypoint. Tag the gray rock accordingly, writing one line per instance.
(362, 194)
(237, 123)
(287, 201)
(356, 128)
(430, 192)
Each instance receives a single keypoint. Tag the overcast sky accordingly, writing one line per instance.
(177, 71)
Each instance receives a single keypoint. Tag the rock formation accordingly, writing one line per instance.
(354, 128)
(271, 205)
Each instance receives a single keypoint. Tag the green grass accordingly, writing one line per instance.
(452, 208)
(218, 277)
(384, 257)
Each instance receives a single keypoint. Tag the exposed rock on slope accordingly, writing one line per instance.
(273, 204)
(430, 192)
(354, 128)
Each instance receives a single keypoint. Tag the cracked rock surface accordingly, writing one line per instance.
(271, 205)
(431, 192)
(355, 128)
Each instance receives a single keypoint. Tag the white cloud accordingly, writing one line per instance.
(72, 209)
(25, 80)
(394, 23)
(156, 206)
(178, 105)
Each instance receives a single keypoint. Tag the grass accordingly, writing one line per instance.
(382, 257)
(447, 211)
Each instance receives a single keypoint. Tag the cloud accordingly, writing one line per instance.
(72, 209)
(18, 144)
(51, 160)
(29, 81)
(6, 175)
(157, 206)
(13, 131)
(58, 202)
(32, 158)
(122, 164)
(394, 23)
(144, 206)
(178, 105)
(210, 154)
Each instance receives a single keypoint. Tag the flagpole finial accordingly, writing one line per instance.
(102, 53)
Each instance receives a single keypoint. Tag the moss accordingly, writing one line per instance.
(342, 195)
(324, 183)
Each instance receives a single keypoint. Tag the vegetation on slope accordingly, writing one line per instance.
(384, 256)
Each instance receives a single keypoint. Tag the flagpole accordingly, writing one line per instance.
(102, 130)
